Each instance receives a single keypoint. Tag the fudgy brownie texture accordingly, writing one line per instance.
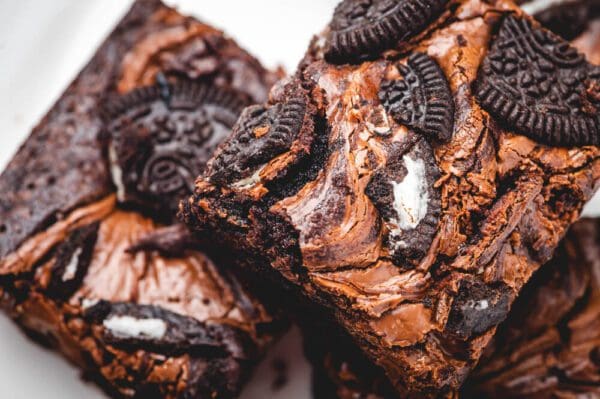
(340, 370)
(547, 348)
(414, 231)
(89, 261)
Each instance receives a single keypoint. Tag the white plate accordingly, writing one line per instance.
(43, 44)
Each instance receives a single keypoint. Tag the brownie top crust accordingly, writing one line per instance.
(540, 351)
(417, 184)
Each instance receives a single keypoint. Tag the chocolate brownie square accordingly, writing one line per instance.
(520, 362)
(426, 158)
(87, 227)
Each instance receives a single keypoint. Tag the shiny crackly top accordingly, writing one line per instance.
(418, 230)
(547, 345)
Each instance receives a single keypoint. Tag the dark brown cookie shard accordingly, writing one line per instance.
(477, 308)
(421, 99)
(534, 82)
(170, 241)
(160, 137)
(404, 194)
(261, 134)
(363, 28)
(153, 328)
(71, 262)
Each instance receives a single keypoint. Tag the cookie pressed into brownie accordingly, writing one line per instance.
(88, 207)
(426, 158)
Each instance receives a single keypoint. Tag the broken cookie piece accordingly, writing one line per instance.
(89, 262)
(428, 203)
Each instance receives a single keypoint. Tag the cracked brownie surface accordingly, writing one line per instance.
(89, 260)
(548, 346)
(520, 362)
(414, 230)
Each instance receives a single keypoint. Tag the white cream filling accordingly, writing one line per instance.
(249, 181)
(71, 268)
(87, 303)
(116, 173)
(477, 305)
(411, 197)
(127, 326)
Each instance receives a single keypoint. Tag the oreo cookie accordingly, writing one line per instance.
(160, 138)
(152, 328)
(362, 29)
(72, 260)
(567, 19)
(536, 84)
(404, 194)
(262, 133)
(421, 99)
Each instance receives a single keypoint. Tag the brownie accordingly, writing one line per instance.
(340, 370)
(92, 261)
(425, 159)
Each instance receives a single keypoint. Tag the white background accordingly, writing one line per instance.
(43, 44)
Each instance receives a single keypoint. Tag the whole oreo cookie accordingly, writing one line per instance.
(160, 138)
(421, 99)
(364, 28)
(535, 83)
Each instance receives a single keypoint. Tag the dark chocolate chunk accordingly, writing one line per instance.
(162, 136)
(364, 28)
(568, 19)
(261, 134)
(404, 194)
(72, 260)
(168, 241)
(421, 99)
(153, 328)
(534, 82)
(478, 307)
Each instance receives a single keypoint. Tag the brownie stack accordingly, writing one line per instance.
(400, 191)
